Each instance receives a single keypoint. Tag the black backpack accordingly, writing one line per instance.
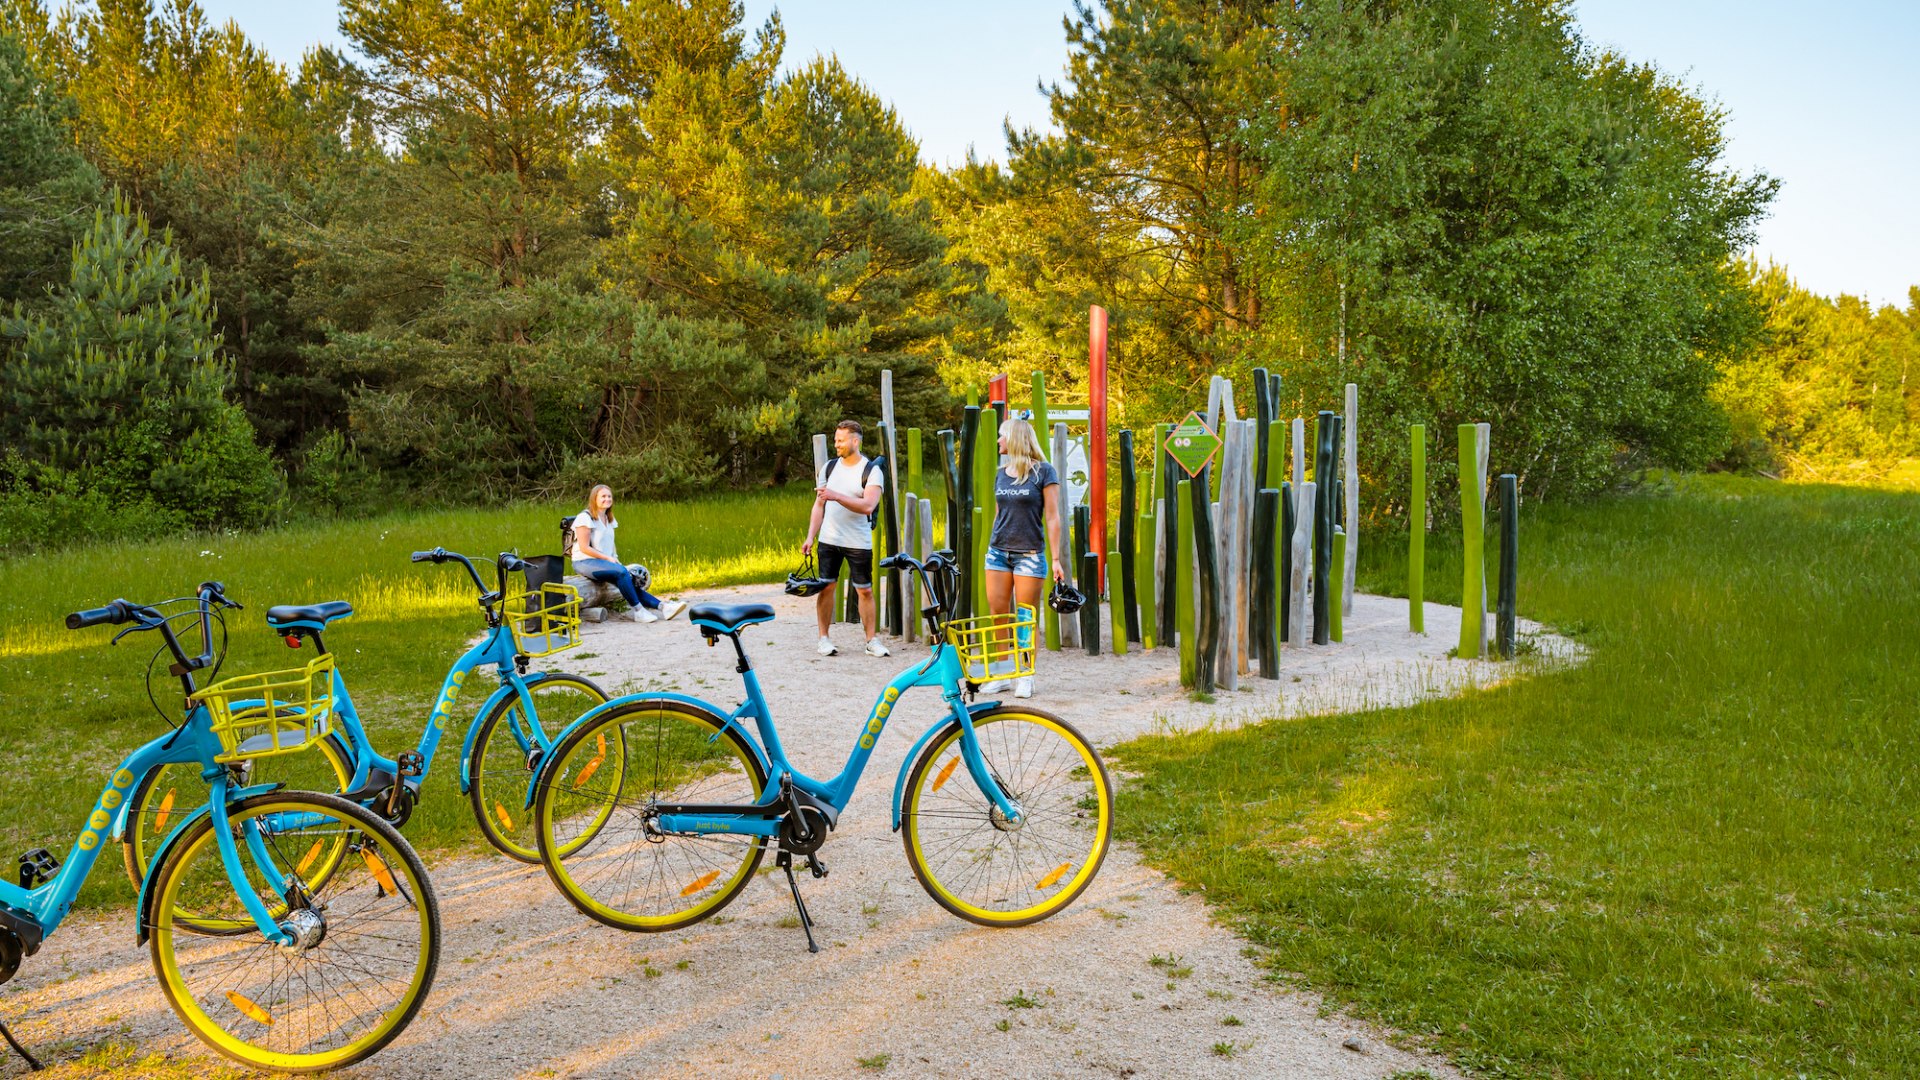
(866, 473)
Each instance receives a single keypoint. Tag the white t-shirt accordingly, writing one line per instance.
(599, 536)
(840, 526)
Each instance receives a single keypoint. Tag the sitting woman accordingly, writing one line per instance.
(595, 557)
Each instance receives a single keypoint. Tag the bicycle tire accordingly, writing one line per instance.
(501, 772)
(259, 1002)
(625, 875)
(987, 870)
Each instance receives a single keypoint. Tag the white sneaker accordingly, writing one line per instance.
(642, 615)
(826, 647)
(1023, 687)
(998, 667)
(671, 608)
(876, 648)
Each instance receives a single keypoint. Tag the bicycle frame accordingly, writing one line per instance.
(496, 649)
(941, 669)
(48, 904)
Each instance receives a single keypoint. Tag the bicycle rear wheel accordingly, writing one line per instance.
(507, 755)
(979, 865)
(370, 936)
(599, 838)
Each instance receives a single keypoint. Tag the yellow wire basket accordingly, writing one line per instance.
(273, 712)
(994, 646)
(545, 620)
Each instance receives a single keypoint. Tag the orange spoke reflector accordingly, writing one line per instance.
(166, 809)
(593, 766)
(312, 854)
(701, 882)
(381, 874)
(506, 821)
(250, 1010)
(1057, 873)
(945, 774)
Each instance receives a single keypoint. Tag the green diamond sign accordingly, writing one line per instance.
(1192, 443)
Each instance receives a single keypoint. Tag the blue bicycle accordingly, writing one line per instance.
(505, 742)
(294, 931)
(656, 809)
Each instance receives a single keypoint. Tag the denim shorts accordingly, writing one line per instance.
(1018, 563)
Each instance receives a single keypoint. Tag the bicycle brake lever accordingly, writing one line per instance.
(116, 638)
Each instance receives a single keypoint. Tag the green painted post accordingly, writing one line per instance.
(913, 463)
(1473, 525)
(1334, 613)
(978, 573)
(1117, 601)
(1125, 599)
(1181, 574)
(1143, 581)
(1417, 536)
(1206, 557)
(1166, 476)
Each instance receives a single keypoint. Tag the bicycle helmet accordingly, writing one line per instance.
(642, 577)
(1065, 599)
(806, 581)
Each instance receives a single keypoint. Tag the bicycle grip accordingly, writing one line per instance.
(423, 556)
(115, 612)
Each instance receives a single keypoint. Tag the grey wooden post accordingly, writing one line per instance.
(1303, 499)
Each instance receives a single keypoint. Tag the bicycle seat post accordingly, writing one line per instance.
(742, 665)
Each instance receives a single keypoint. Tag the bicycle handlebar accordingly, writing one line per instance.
(116, 613)
(507, 563)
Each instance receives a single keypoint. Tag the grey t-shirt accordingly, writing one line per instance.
(1019, 523)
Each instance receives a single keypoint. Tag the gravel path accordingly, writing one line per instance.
(528, 987)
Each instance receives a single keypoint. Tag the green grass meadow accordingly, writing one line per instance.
(1694, 856)
(71, 705)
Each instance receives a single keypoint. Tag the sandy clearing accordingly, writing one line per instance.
(528, 987)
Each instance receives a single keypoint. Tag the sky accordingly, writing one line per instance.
(1825, 99)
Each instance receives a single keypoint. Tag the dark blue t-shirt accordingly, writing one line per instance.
(1019, 523)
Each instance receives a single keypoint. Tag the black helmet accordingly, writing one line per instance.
(1065, 599)
(806, 580)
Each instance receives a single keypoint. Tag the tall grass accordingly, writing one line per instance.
(1695, 856)
(71, 706)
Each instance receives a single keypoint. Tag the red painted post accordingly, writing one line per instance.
(997, 390)
(1097, 430)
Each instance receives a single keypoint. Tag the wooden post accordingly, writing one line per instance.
(1207, 612)
(1299, 452)
(1263, 419)
(1336, 617)
(1417, 536)
(1147, 580)
(1228, 551)
(1180, 572)
(1126, 599)
(1266, 522)
(986, 463)
(1097, 430)
(1322, 527)
(1509, 562)
(982, 522)
(914, 481)
(887, 613)
(1350, 474)
(1303, 543)
(1473, 583)
(1283, 565)
(1087, 567)
(926, 535)
(1117, 589)
(1066, 631)
(910, 584)
(1170, 532)
(963, 548)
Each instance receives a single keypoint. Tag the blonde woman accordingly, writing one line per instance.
(1023, 549)
(595, 557)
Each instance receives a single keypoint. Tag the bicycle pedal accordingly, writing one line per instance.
(819, 868)
(37, 866)
(411, 763)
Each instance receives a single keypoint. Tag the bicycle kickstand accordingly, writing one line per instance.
(785, 861)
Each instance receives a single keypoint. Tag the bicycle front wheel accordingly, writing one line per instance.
(970, 857)
(168, 794)
(508, 754)
(367, 930)
(599, 832)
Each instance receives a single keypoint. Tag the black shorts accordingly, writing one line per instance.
(858, 560)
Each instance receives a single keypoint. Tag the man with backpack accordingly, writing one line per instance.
(845, 499)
